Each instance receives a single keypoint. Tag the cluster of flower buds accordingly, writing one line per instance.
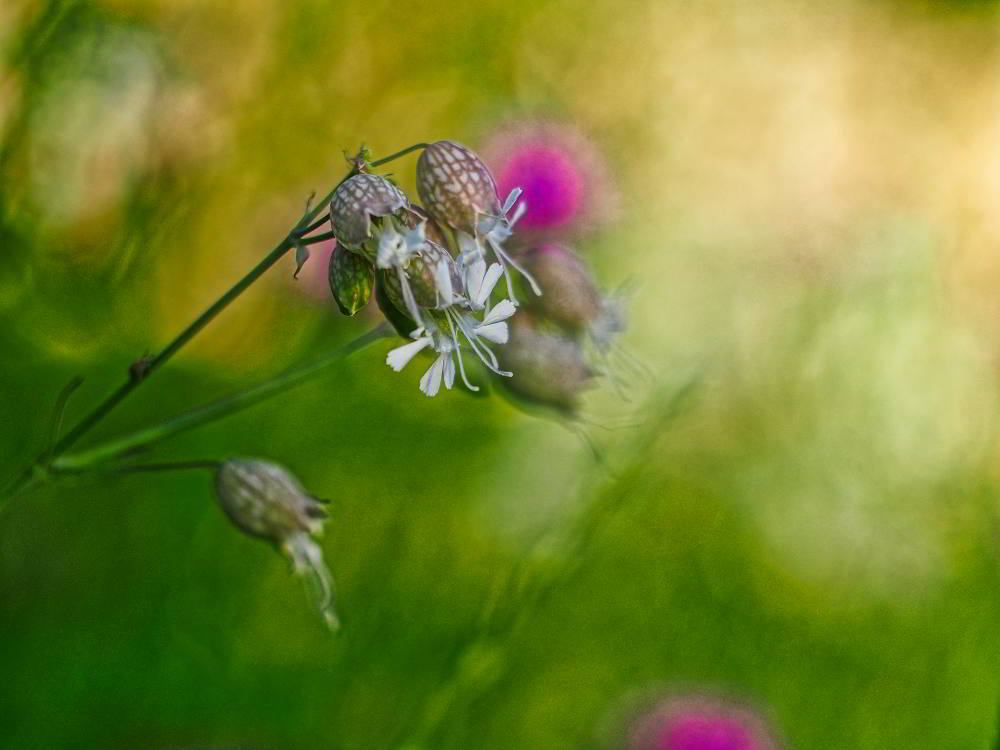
(265, 501)
(432, 268)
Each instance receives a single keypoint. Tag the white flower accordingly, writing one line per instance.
(464, 313)
(400, 357)
(493, 326)
(443, 368)
(480, 281)
(395, 248)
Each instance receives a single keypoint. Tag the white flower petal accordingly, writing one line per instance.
(468, 248)
(495, 332)
(430, 383)
(511, 197)
(442, 280)
(501, 311)
(400, 357)
(490, 279)
(474, 273)
(449, 372)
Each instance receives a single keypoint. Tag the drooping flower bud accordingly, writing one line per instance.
(356, 202)
(550, 368)
(264, 500)
(352, 278)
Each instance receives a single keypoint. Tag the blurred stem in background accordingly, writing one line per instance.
(52, 462)
(523, 588)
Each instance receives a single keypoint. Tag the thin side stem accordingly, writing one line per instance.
(317, 238)
(315, 225)
(194, 465)
(121, 447)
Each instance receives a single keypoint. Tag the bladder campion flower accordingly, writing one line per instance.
(458, 190)
(264, 500)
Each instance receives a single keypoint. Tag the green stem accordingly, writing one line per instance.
(37, 472)
(120, 447)
(109, 403)
(315, 225)
(317, 238)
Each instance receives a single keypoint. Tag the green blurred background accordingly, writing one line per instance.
(807, 201)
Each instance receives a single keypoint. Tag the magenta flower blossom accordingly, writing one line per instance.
(701, 723)
(563, 176)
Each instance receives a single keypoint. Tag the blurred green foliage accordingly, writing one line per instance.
(813, 526)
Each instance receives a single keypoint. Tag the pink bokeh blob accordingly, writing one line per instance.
(701, 723)
(553, 185)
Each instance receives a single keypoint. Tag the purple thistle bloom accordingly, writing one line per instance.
(701, 723)
(563, 176)
(552, 185)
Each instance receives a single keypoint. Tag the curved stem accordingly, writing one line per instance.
(206, 317)
(35, 473)
(121, 447)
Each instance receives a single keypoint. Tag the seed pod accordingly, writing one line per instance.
(455, 186)
(356, 201)
(572, 299)
(422, 274)
(352, 278)
(549, 369)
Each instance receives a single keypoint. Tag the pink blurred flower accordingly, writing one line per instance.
(312, 280)
(563, 175)
(700, 723)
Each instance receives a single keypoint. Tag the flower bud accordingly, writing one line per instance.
(455, 186)
(550, 370)
(263, 500)
(352, 278)
(356, 202)
(572, 299)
